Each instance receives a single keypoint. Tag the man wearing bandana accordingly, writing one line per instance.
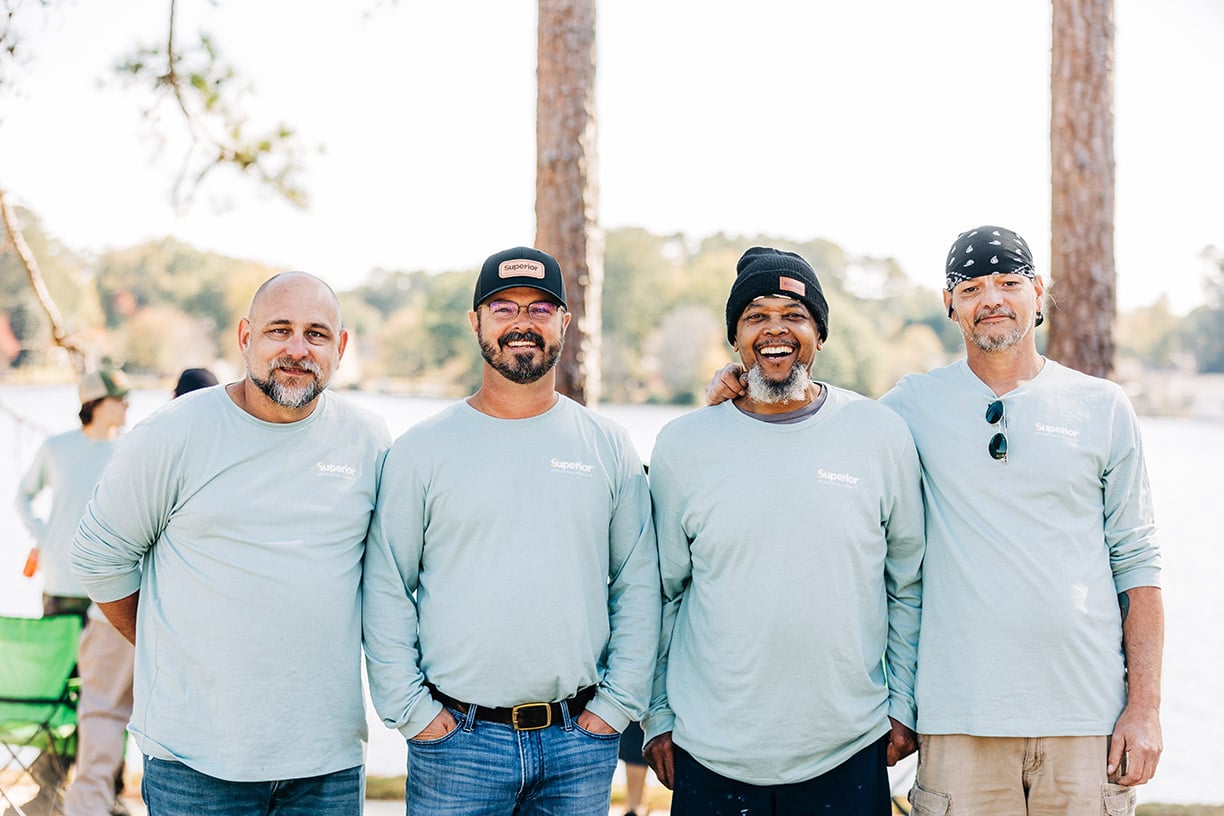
(1039, 659)
(1039, 663)
(790, 538)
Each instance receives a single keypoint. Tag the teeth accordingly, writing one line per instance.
(776, 350)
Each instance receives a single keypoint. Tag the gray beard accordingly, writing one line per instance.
(285, 395)
(767, 392)
(987, 342)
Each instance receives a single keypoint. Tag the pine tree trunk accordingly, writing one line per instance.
(567, 188)
(1082, 315)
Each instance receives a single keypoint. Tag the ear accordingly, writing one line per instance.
(947, 301)
(342, 344)
(244, 334)
(473, 320)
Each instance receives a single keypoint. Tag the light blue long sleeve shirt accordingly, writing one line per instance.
(245, 539)
(511, 561)
(1021, 630)
(791, 563)
(69, 465)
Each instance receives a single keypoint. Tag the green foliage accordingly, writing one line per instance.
(166, 305)
(1203, 331)
(205, 92)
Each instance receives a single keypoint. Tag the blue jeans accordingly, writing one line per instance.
(172, 789)
(858, 786)
(489, 769)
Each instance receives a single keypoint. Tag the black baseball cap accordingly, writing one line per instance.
(520, 266)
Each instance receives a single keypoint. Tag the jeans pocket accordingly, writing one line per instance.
(928, 803)
(614, 736)
(445, 737)
(1117, 800)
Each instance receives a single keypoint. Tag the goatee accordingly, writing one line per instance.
(771, 392)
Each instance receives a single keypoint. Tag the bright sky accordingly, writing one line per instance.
(885, 126)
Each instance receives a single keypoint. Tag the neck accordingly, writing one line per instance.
(501, 398)
(1007, 369)
(746, 403)
(100, 431)
(249, 397)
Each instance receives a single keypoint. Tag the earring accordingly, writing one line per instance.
(1040, 320)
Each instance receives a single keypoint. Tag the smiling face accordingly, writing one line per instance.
(292, 340)
(525, 345)
(777, 340)
(996, 312)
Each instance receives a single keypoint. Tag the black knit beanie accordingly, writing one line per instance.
(767, 272)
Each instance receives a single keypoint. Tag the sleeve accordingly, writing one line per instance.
(1130, 529)
(35, 480)
(675, 571)
(906, 546)
(633, 598)
(128, 512)
(390, 575)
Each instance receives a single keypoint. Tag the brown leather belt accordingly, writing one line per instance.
(525, 716)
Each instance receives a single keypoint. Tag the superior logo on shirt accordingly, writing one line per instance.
(343, 471)
(843, 479)
(1056, 430)
(559, 466)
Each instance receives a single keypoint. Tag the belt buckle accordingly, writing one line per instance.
(521, 716)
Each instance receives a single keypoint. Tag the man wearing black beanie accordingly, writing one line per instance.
(789, 524)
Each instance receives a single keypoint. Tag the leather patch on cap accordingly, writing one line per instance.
(520, 268)
(791, 285)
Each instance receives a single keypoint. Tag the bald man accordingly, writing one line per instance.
(239, 515)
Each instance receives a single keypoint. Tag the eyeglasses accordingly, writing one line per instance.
(540, 311)
(998, 443)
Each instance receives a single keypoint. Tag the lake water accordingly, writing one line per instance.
(1183, 461)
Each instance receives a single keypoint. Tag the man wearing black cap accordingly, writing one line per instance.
(511, 589)
(789, 525)
(1039, 678)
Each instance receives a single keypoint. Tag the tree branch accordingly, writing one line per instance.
(76, 353)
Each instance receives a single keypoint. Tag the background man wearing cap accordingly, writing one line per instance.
(235, 519)
(1039, 664)
(1042, 625)
(193, 379)
(70, 465)
(511, 582)
(790, 539)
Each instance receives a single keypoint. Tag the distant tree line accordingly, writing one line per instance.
(162, 306)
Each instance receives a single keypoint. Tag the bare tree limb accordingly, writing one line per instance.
(76, 353)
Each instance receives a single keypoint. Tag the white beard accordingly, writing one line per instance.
(792, 389)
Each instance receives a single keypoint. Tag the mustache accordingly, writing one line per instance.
(515, 336)
(1001, 312)
(288, 362)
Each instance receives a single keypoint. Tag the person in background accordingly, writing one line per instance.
(630, 753)
(192, 379)
(511, 581)
(69, 465)
(1043, 623)
(789, 524)
(235, 520)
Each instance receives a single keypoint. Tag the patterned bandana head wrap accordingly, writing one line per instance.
(988, 250)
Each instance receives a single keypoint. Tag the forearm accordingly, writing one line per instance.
(1143, 644)
(122, 614)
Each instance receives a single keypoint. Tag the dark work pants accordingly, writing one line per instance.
(857, 787)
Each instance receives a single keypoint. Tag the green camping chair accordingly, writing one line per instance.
(38, 699)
